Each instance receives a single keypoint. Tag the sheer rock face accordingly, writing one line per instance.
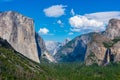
(19, 31)
(115, 49)
(40, 44)
(113, 29)
(99, 48)
(105, 47)
(42, 51)
(96, 50)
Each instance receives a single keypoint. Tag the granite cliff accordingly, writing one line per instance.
(105, 47)
(99, 48)
(19, 31)
(43, 53)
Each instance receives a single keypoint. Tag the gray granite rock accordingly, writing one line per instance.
(19, 31)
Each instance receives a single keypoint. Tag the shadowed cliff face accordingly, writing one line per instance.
(74, 50)
(43, 54)
(5, 44)
(19, 31)
(40, 44)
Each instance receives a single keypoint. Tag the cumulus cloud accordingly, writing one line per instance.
(55, 11)
(82, 21)
(43, 31)
(72, 12)
(92, 22)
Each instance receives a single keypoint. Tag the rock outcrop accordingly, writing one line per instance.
(19, 31)
(105, 48)
(95, 50)
(52, 46)
(74, 50)
(42, 51)
(113, 29)
(115, 50)
(40, 44)
(99, 48)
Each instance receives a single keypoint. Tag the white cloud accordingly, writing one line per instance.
(70, 33)
(82, 21)
(104, 16)
(60, 23)
(72, 12)
(92, 22)
(55, 11)
(43, 31)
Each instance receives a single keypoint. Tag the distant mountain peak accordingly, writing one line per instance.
(93, 47)
(53, 46)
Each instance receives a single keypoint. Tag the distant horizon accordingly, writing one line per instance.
(56, 20)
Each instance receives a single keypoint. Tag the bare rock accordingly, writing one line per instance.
(113, 29)
(42, 51)
(19, 31)
(105, 48)
(115, 49)
(96, 50)
(74, 50)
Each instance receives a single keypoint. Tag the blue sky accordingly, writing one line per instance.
(59, 19)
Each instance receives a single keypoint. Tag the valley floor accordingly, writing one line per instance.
(14, 66)
(77, 71)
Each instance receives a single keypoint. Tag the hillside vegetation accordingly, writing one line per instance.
(111, 43)
(14, 66)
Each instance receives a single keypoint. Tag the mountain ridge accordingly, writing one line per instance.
(93, 44)
(105, 47)
(19, 31)
(53, 46)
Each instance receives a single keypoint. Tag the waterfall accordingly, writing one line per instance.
(109, 57)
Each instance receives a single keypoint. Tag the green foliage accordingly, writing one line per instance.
(116, 39)
(108, 44)
(78, 71)
(14, 66)
(111, 43)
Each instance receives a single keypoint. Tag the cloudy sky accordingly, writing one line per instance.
(59, 19)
